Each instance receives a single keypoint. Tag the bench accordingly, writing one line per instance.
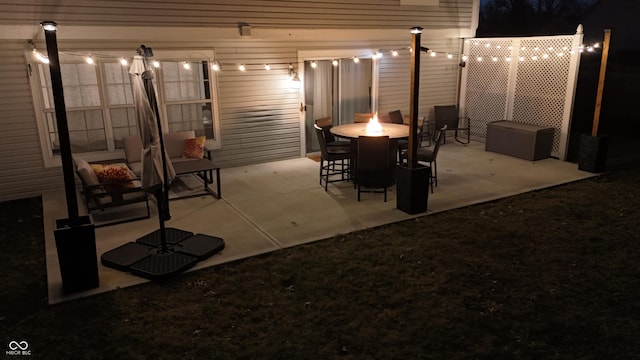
(174, 144)
(100, 195)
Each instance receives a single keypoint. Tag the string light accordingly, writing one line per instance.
(535, 54)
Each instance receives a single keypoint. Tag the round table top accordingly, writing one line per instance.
(353, 131)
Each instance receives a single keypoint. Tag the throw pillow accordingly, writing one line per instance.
(115, 176)
(194, 148)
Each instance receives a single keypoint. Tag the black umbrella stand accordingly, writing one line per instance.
(165, 251)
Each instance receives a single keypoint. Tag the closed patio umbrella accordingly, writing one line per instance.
(165, 251)
(157, 169)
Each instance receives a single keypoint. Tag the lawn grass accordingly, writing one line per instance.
(551, 274)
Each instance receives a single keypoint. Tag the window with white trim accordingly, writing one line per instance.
(99, 101)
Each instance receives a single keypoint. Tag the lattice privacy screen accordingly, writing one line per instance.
(529, 80)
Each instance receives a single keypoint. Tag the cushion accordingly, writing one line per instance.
(86, 173)
(118, 174)
(194, 148)
(132, 148)
(174, 142)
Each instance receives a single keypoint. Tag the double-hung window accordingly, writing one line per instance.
(99, 102)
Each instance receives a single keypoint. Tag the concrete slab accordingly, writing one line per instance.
(266, 207)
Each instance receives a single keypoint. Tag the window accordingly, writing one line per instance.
(100, 108)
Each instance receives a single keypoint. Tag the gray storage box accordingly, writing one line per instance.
(525, 141)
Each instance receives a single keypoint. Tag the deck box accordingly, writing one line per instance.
(525, 141)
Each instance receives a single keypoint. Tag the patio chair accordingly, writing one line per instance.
(430, 156)
(448, 115)
(403, 144)
(335, 161)
(396, 117)
(325, 124)
(376, 164)
(362, 117)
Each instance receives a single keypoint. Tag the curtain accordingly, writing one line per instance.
(354, 88)
(318, 95)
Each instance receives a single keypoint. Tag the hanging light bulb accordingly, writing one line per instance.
(215, 66)
(124, 62)
(378, 54)
(449, 56)
(432, 53)
(394, 52)
(465, 57)
(186, 65)
(242, 67)
(334, 62)
(356, 59)
(314, 65)
(267, 67)
(89, 60)
(43, 59)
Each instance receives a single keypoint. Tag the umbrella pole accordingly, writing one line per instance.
(162, 194)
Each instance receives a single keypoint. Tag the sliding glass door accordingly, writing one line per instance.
(337, 91)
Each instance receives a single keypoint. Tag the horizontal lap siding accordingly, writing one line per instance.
(22, 173)
(438, 79)
(258, 13)
(258, 109)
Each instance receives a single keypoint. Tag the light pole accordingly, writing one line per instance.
(76, 235)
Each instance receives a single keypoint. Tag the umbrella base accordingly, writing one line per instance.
(145, 257)
(124, 256)
(172, 235)
(201, 246)
(160, 266)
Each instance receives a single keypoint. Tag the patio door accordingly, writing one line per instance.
(338, 91)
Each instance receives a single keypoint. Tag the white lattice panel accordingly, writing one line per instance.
(529, 80)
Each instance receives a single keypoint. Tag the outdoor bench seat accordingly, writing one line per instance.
(174, 143)
(101, 195)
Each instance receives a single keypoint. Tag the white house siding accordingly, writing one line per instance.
(22, 173)
(259, 113)
(258, 13)
(438, 79)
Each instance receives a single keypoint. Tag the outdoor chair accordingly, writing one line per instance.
(396, 117)
(448, 115)
(429, 156)
(325, 124)
(335, 161)
(403, 144)
(362, 117)
(376, 164)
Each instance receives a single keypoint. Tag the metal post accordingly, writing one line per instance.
(61, 119)
(415, 84)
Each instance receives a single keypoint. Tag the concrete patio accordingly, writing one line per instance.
(272, 206)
